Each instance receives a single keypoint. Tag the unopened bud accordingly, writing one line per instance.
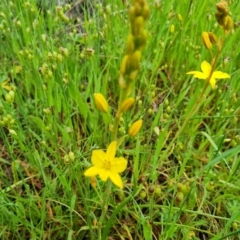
(130, 44)
(71, 156)
(145, 12)
(228, 23)
(123, 68)
(138, 25)
(127, 104)
(179, 197)
(179, 17)
(101, 102)
(212, 37)
(12, 132)
(135, 59)
(135, 128)
(206, 41)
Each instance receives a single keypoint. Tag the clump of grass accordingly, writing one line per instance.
(181, 181)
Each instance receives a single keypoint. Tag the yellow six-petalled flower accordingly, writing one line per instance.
(106, 165)
(205, 74)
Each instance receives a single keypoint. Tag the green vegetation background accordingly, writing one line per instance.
(49, 125)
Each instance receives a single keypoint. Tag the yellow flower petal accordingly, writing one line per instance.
(107, 166)
(212, 82)
(116, 179)
(98, 157)
(104, 174)
(197, 74)
(220, 75)
(111, 151)
(91, 172)
(206, 68)
(119, 165)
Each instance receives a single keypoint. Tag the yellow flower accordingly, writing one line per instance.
(205, 74)
(107, 166)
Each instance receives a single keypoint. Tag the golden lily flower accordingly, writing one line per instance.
(107, 166)
(206, 70)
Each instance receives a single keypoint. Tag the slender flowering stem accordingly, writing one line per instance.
(104, 209)
(197, 103)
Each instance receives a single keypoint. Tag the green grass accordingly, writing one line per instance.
(186, 189)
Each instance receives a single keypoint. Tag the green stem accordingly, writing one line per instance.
(123, 95)
(104, 209)
(197, 104)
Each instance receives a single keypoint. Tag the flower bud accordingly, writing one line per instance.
(101, 102)
(143, 194)
(123, 68)
(179, 197)
(130, 44)
(135, 128)
(135, 59)
(228, 23)
(210, 186)
(145, 12)
(179, 17)
(12, 132)
(138, 25)
(222, 6)
(71, 156)
(206, 41)
(142, 39)
(127, 104)
(172, 28)
(93, 182)
(212, 37)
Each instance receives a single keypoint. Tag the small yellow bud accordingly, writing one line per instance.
(71, 156)
(130, 44)
(47, 110)
(59, 57)
(93, 182)
(142, 39)
(138, 25)
(179, 197)
(228, 23)
(132, 13)
(9, 97)
(135, 128)
(172, 28)
(135, 59)
(123, 67)
(12, 132)
(222, 6)
(132, 76)
(127, 104)
(145, 12)
(212, 37)
(206, 41)
(101, 102)
(179, 17)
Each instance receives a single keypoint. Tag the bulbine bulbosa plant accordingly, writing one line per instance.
(105, 164)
